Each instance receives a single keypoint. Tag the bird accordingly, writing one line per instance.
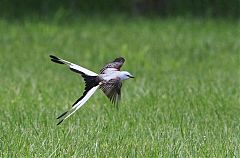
(109, 80)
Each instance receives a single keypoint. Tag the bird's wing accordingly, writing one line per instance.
(112, 89)
(73, 67)
(80, 102)
(113, 66)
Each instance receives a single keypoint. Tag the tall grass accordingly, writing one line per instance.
(184, 101)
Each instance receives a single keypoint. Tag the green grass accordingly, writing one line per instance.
(184, 101)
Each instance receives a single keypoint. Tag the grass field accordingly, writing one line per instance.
(184, 101)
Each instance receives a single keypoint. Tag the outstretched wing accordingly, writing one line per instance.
(113, 66)
(73, 67)
(112, 89)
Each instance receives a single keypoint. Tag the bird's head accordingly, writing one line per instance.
(126, 75)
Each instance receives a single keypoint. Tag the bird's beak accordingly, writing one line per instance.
(131, 76)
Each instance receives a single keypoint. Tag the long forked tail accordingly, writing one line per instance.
(91, 85)
(73, 67)
(77, 105)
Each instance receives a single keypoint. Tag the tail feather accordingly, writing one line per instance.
(79, 104)
(53, 57)
(59, 122)
(91, 85)
(73, 67)
(90, 82)
(56, 59)
(62, 115)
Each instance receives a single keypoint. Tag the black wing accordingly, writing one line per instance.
(116, 64)
(112, 89)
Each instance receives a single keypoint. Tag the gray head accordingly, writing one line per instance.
(126, 75)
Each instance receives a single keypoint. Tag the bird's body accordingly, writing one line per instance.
(109, 80)
(113, 75)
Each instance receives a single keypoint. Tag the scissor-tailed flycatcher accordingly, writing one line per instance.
(109, 80)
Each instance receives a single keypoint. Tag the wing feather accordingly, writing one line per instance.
(112, 90)
(113, 66)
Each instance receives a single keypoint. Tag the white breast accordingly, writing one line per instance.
(111, 75)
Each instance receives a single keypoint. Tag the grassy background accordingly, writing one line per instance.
(183, 102)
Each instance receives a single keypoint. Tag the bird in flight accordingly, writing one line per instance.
(109, 81)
